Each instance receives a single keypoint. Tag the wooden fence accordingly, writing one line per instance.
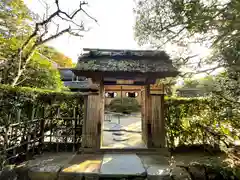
(44, 129)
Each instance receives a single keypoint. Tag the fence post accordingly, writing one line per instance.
(16, 129)
(74, 128)
(58, 135)
(27, 147)
(42, 125)
(5, 145)
(34, 130)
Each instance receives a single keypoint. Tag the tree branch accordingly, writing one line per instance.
(54, 36)
(38, 36)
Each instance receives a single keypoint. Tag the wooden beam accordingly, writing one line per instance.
(148, 118)
(128, 75)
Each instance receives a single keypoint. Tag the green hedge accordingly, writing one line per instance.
(124, 105)
(191, 121)
(24, 98)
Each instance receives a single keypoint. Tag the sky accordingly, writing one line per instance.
(114, 29)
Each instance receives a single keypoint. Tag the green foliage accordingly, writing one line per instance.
(54, 55)
(41, 74)
(23, 111)
(15, 29)
(124, 105)
(14, 15)
(25, 98)
(159, 19)
(206, 121)
(213, 23)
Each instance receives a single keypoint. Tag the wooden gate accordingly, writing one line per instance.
(144, 124)
(94, 117)
(157, 121)
(153, 126)
(90, 125)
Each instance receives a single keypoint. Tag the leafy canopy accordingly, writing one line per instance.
(213, 23)
(15, 27)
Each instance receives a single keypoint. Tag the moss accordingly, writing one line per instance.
(126, 65)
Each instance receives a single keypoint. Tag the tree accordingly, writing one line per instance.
(168, 83)
(191, 83)
(214, 23)
(21, 52)
(41, 74)
(205, 85)
(14, 15)
(54, 55)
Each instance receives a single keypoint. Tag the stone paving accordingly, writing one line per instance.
(66, 166)
(137, 166)
(130, 129)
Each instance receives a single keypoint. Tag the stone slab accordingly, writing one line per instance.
(82, 165)
(123, 165)
(157, 166)
(44, 172)
(117, 127)
(47, 166)
(119, 133)
(50, 158)
(120, 138)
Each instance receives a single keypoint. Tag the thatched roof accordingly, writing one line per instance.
(104, 60)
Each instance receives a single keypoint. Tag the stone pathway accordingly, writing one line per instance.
(130, 128)
(135, 166)
(66, 166)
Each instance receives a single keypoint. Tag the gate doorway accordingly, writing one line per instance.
(122, 126)
(125, 67)
(122, 131)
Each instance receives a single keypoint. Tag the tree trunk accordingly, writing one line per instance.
(21, 70)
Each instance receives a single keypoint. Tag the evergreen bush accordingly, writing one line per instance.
(124, 105)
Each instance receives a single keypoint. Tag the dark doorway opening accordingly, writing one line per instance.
(131, 94)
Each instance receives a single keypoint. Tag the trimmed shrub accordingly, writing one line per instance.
(124, 105)
(200, 121)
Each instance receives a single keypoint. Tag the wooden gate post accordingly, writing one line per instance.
(84, 125)
(92, 116)
(148, 116)
(158, 121)
(101, 113)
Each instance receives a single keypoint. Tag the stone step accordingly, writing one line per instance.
(159, 151)
(60, 166)
(122, 166)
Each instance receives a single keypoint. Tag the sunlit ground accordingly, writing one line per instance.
(86, 166)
